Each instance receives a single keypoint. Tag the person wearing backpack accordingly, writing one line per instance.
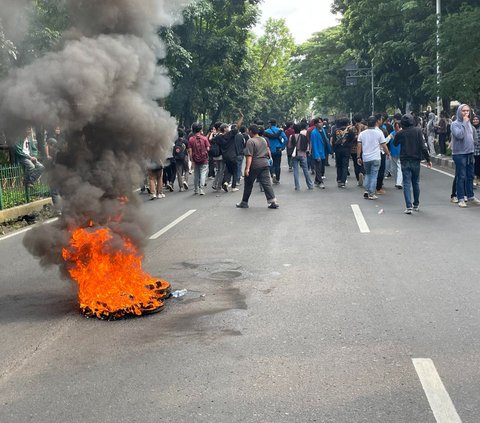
(277, 141)
(299, 145)
(198, 147)
(181, 160)
(343, 140)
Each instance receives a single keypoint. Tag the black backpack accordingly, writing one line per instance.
(179, 150)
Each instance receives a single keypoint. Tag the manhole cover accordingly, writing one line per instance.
(225, 275)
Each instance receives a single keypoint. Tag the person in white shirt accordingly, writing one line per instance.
(369, 144)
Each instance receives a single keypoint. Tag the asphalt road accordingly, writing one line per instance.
(292, 315)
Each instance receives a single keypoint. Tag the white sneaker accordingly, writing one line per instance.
(475, 201)
(454, 200)
(462, 204)
(202, 192)
(161, 195)
(153, 197)
(235, 189)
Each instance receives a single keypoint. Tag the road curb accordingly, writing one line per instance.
(14, 213)
(446, 162)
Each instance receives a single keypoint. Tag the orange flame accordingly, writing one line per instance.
(111, 281)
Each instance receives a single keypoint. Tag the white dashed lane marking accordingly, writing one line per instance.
(362, 224)
(438, 398)
(171, 225)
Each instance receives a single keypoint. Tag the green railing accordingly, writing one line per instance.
(14, 192)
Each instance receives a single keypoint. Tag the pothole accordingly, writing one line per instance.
(225, 275)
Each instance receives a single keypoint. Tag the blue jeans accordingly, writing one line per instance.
(239, 168)
(302, 161)
(411, 181)
(464, 174)
(371, 174)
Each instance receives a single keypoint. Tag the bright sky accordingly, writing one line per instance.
(304, 17)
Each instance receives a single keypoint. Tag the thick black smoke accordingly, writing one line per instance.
(101, 89)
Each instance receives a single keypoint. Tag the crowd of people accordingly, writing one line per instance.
(379, 147)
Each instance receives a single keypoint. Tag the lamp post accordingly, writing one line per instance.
(439, 77)
(354, 72)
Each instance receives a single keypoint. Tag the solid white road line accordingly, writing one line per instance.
(22, 231)
(362, 224)
(440, 171)
(171, 225)
(438, 398)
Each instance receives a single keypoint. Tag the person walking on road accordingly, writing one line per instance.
(299, 145)
(198, 147)
(412, 151)
(257, 155)
(369, 144)
(463, 147)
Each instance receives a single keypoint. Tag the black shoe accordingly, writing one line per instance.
(242, 205)
(273, 206)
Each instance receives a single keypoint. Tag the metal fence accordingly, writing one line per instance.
(13, 190)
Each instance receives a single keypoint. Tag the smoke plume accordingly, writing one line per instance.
(100, 88)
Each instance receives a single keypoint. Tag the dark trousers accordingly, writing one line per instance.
(411, 181)
(230, 171)
(319, 166)
(442, 142)
(277, 163)
(342, 158)
(477, 166)
(211, 167)
(358, 168)
(263, 177)
(381, 172)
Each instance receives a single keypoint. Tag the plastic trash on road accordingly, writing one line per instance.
(381, 211)
(180, 293)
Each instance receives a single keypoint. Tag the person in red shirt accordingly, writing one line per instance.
(198, 147)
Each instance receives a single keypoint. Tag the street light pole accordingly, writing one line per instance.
(373, 90)
(439, 16)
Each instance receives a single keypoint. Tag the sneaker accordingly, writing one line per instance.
(372, 197)
(181, 190)
(474, 201)
(242, 205)
(169, 186)
(321, 186)
(185, 184)
(454, 200)
(161, 195)
(341, 185)
(225, 187)
(360, 180)
(273, 206)
(462, 204)
(235, 189)
(365, 195)
(202, 192)
(408, 210)
(276, 181)
(380, 191)
(416, 208)
(153, 197)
